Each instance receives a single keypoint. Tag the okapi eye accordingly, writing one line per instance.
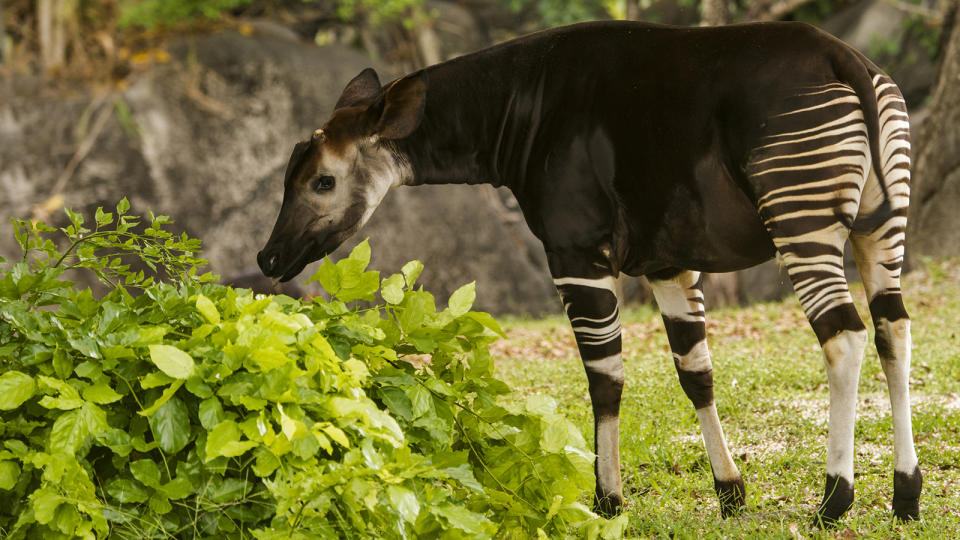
(324, 183)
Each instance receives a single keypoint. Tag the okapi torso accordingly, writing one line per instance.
(658, 151)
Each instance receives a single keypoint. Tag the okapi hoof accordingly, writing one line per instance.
(732, 495)
(906, 494)
(607, 506)
(837, 499)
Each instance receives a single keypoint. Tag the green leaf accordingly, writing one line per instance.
(337, 435)
(168, 393)
(329, 277)
(172, 361)
(463, 519)
(540, 404)
(125, 490)
(210, 413)
(411, 271)
(102, 218)
(94, 418)
(177, 488)
(266, 462)
(67, 433)
(405, 502)
(44, 502)
(100, 393)
(146, 471)
(123, 206)
(208, 309)
(171, 426)
(416, 307)
(420, 399)
(397, 401)
(464, 475)
(462, 299)
(155, 379)
(488, 321)
(9, 474)
(62, 364)
(15, 388)
(224, 440)
(361, 253)
(392, 289)
(117, 440)
(159, 504)
(228, 489)
(268, 358)
(364, 289)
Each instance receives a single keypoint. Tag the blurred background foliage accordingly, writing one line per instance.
(89, 38)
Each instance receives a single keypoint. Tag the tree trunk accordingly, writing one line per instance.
(51, 33)
(631, 10)
(934, 223)
(3, 36)
(714, 13)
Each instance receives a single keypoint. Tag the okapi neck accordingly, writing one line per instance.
(481, 120)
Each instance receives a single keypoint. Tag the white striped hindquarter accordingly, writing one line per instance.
(816, 186)
(810, 171)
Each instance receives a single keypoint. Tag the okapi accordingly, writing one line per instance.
(661, 152)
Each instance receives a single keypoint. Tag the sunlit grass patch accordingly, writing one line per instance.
(772, 397)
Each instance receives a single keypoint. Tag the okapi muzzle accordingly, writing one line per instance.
(336, 179)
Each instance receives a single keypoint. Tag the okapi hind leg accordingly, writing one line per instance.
(879, 258)
(592, 305)
(878, 244)
(815, 264)
(809, 173)
(680, 299)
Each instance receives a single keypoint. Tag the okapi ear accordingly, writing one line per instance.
(403, 107)
(364, 86)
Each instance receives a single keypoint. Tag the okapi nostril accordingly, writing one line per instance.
(267, 262)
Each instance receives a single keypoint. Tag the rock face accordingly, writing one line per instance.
(934, 224)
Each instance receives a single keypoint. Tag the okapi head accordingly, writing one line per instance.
(335, 180)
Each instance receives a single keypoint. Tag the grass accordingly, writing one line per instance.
(771, 394)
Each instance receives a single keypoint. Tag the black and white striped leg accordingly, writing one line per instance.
(879, 258)
(810, 176)
(592, 306)
(814, 262)
(680, 299)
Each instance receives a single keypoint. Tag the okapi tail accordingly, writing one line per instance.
(888, 133)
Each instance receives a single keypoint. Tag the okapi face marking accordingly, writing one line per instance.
(335, 180)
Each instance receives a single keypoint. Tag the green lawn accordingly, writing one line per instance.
(771, 393)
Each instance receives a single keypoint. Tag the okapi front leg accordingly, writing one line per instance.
(592, 306)
(680, 299)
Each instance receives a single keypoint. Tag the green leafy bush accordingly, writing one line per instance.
(190, 409)
(152, 13)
